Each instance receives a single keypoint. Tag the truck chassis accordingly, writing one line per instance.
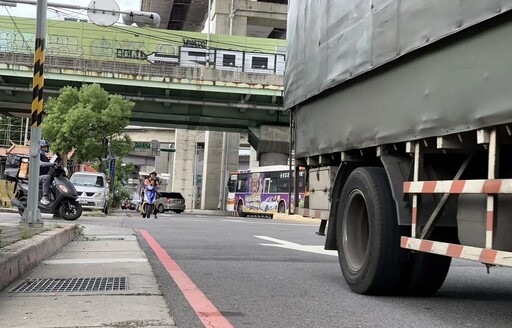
(406, 196)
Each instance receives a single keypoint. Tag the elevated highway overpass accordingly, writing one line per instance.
(175, 78)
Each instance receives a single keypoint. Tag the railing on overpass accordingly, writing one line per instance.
(77, 48)
(139, 71)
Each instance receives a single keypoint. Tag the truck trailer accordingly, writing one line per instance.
(402, 116)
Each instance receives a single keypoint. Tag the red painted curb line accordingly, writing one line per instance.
(205, 310)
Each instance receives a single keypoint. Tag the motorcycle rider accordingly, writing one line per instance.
(152, 180)
(45, 179)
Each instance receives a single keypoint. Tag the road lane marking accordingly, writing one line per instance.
(204, 308)
(297, 247)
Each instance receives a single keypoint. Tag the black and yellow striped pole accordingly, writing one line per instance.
(32, 215)
(38, 84)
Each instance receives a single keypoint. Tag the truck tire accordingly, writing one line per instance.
(368, 235)
(424, 272)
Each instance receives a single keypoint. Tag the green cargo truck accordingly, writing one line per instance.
(402, 115)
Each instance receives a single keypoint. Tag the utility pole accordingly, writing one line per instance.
(104, 14)
(32, 215)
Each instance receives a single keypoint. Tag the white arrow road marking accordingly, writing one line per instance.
(297, 247)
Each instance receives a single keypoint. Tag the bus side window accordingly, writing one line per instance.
(241, 185)
(283, 185)
(274, 181)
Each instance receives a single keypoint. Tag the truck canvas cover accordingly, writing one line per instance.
(332, 41)
(463, 85)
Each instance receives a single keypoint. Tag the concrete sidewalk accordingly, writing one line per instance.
(107, 261)
(101, 279)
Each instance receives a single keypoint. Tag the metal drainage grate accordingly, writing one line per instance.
(106, 238)
(53, 285)
(86, 238)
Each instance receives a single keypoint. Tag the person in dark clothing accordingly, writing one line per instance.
(45, 178)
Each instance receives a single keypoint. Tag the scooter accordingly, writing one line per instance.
(148, 205)
(63, 196)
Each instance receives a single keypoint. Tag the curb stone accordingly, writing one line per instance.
(18, 258)
(295, 218)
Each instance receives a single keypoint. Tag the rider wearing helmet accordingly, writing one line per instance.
(44, 178)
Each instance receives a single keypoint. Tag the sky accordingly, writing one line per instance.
(29, 11)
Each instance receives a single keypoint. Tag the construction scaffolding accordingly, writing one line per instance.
(13, 130)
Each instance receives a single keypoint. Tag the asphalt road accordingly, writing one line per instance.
(254, 283)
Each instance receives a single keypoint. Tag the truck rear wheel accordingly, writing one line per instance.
(425, 273)
(368, 235)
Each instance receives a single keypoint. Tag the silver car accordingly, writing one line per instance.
(170, 201)
(92, 188)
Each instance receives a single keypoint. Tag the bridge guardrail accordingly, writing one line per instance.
(140, 71)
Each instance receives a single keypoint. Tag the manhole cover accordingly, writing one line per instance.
(53, 285)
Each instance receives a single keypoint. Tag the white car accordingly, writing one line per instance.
(92, 188)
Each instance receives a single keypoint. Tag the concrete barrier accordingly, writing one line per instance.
(295, 218)
(18, 258)
(6, 193)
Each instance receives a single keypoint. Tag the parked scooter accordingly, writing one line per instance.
(148, 202)
(63, 195)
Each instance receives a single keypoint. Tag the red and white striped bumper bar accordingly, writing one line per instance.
(497, 186)
(490, 187)
(484, 255)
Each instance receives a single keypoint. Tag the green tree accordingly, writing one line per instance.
(123, 173)
(89, 120)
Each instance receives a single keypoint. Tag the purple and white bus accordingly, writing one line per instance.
(263, 190)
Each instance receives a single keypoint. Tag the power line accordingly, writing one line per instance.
(19, 31)
(160, 38)
(165, 36)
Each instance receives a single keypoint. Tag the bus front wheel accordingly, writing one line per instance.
(240, 209)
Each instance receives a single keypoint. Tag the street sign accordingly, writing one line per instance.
(165, 176)
(142, 146)
(112, 173)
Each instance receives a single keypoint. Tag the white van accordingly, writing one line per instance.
(92, 188)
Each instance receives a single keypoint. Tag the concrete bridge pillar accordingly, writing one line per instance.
(273, 159)
(215, 167)
(253, 158)
(184, 160)
(234, 20)
(272, 144)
